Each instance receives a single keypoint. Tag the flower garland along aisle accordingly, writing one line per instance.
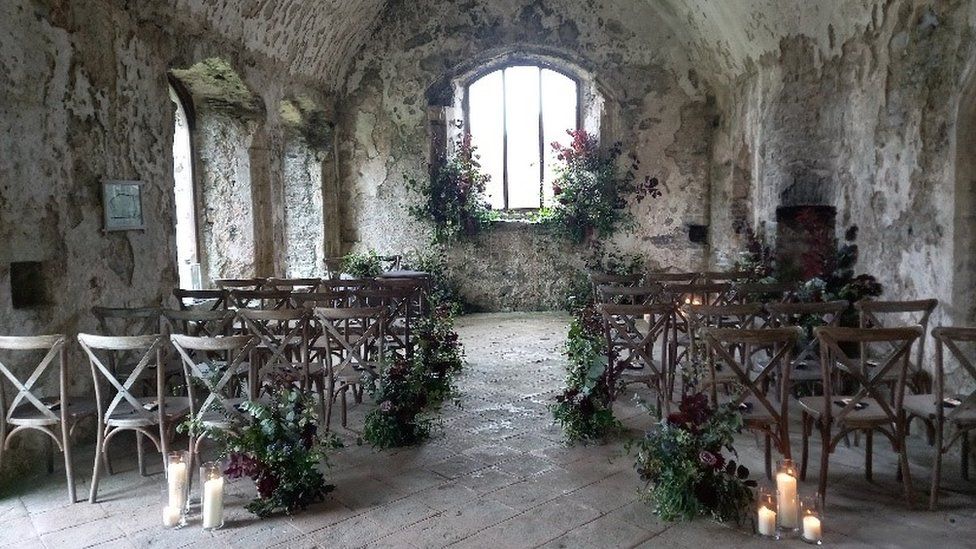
(410, 392)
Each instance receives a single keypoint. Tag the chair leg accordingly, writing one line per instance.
(965, 455)
(343, 410)
(96, 468)
(140, 454)
(805, 451)
(69, 471)
(936, 470)
(768, 458)
(906, 472)
(824, 463)
(868, 454)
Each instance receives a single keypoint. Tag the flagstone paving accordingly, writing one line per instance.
(497, 474)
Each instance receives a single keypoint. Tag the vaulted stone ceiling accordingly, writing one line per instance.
(319, 38)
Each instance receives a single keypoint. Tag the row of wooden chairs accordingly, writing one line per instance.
(334, 267)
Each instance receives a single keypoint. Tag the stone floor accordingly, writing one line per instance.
(497, 474)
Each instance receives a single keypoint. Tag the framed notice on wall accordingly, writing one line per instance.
(123, 205)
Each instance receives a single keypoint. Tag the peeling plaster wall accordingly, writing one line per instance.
(869, 130)
(656, 105)
(304, 216)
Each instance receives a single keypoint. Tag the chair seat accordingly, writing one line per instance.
(753, 412)
(925, 406)
(27, 414)
(649, 372)
(218, 418)
(125, 416)
(806, 370)
(869, 416)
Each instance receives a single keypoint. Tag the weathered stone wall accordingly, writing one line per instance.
(304, 215)
(655, 104)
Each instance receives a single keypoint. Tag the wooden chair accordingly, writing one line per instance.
(252, 284)
(762, 410)
(670, 278)
(213, 300)
(353, 339)
(629, 295)
(293, 285)
(690, 347)
(123, 321)
(604, 279)
(805, 368)
(400, 316)
(631, 332)
(119, 410)
(878, 314)
(57, 416)
(957, 411)
(701, 293)
(282, 346)
(350, 286)
(870, 406)
(198, 322)
(773, 292)
(216, 369)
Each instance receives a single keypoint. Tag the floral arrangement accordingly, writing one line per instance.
(590, 193)
(443, 290)
(454, 198)
(410, 391)
(684, 465)
(364, 265)
(585, 407)
(279, 448)
(757, 259)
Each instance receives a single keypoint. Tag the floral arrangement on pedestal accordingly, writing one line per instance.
(454, 197)
(409, 392)
(687, 467)
(279, 448)
(590, 191)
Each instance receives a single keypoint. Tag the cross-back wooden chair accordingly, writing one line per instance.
(761, 391)
(212, 300)
(252, 284)
(605, 279)
(631, 332)
(629, 295)
(950, 414)
(762, 292)
(218, 380)
(710, 293)
(198, 323)
(350, 286)
(670, 278)
(419, 286)
(260, 299)
(282, 346)
(322, 298)
(28, 409)
(353, 339)
(400, 316)
(120, 409)
(870, 406)
(125, 321)
(307, 285)
(890, 314)
(805, 369)
(689, 346)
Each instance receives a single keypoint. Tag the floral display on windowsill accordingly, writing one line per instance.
(590, 192)
(686, 462)
(453, 199)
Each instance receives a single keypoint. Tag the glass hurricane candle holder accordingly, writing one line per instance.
(178, 480)
(212, 495)
(766, 513)
(173, 517)
(811, 522)
(787, 500)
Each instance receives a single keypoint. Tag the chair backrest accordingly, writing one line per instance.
(888, 314)
(772, 292)
(418, 286)
(292, 284)
(213, 300)
(351, 286)
(629, 295)
(664, 278)
(28, 389)
(353, 337)
(126, 321)
(214, 363)
(754, 381)
(283, 339)
(198, 323)
(960, 342)
(604, 279)
(725, 276)
(260, 299)
(239, 283)
(632, 331)
(888, 349)
(101, 349)
(321, 298)
(806, 316)
(700, 293)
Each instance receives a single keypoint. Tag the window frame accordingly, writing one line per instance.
(466, 113)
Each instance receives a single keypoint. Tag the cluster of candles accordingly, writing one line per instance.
(786, 514)
(176, 496)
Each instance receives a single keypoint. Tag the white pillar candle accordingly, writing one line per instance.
(171, 516)
(767, 521)
(177, 484)
(213, 503)
(786, 500)
(811, 528)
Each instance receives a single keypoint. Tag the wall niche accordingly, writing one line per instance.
(28, 288)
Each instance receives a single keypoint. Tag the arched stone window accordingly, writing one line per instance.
(188, 263)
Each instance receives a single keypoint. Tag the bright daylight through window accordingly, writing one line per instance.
(514, 115)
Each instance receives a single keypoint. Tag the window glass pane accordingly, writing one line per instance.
(485, 120)
(558, 115)
(522, 109)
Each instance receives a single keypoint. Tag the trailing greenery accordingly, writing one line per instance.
(410, 392)
(683, 464)
(453, 199)
(590, 192)
(443, 291)
(279, 448)
(363, 265)
(600, 260)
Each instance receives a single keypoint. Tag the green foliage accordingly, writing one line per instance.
(443, 291)
(590, 193)
(279, 448)
(364, 265)
(410, 392)
(454, 197)
(757, 258)
(682, 463)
